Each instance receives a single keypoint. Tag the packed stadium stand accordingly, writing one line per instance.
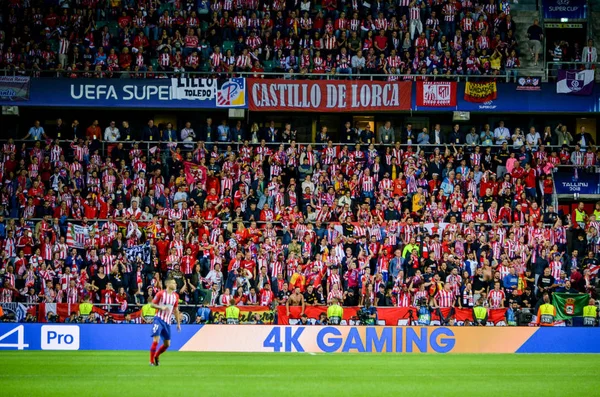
(97, 38)
(252, 212)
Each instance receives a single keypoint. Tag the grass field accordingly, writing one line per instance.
(237, 374)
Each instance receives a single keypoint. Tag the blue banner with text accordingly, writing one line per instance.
(579, 182)
(179, 93)
(571, 9)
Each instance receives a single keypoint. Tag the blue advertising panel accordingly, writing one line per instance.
(180, 93)
(510, 100)
(580, 182)
(86, 336)
(311, 339)
(571, 9)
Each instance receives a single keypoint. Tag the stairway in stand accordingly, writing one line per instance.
(523, 14)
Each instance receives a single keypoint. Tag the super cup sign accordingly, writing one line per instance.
(328, 96)
(571, 9)
(436, 94)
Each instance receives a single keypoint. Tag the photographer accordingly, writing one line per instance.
(4, 317)
(52, 317)
(72, 318)
(29, 319)
(322, 320)
(368, 314)
(512, 314)
(423, 313)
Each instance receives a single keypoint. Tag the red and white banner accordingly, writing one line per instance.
(329, 96)
(77, 234)
(64, 311)
(436, 93)
(389, 315)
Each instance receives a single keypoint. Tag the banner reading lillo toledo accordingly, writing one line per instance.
(328, 95)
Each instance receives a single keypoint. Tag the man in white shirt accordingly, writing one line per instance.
(358, 62)
(180, 197)
(589, 54)
(533, 138)
(112, 133)
(308, 184)
(501, 134)
(188, 135)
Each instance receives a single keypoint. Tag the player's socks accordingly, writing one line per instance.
(160, 351)
(153, 351)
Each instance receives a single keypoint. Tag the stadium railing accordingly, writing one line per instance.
(270, 75)
(147, 145)
(552, 68)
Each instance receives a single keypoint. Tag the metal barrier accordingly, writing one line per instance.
(272, 75)
(147, 145)
(552, 67)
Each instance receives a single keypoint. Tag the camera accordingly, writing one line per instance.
(524, 317)
(363, 316)
(53, 318)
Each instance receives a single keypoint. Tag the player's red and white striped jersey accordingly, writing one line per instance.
(169, 300)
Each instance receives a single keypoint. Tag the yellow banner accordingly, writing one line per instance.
(480, 92)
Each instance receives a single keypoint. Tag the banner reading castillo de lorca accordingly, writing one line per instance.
(480, 92)
(329, 95)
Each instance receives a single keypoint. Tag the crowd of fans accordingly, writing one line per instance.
(95, 38)
(387, 217)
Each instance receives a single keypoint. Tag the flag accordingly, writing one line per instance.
(575, 82)
(77, 234)
(480, 92)
(193, 172)
(142, 250)
(436, 93)
(569, 305)
(232, 93)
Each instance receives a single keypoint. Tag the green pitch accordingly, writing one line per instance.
(237, 374)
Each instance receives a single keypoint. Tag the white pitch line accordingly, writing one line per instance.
(156, 371)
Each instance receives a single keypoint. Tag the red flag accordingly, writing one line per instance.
(436, 93)
(194, 173)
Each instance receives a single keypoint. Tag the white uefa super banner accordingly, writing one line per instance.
(193, 89)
